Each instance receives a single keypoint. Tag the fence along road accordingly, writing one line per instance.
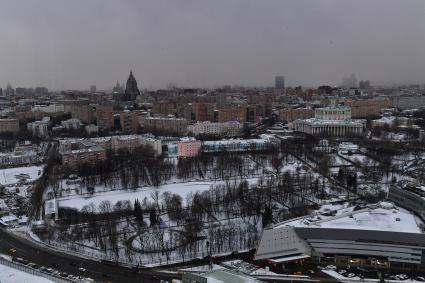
(32, 271)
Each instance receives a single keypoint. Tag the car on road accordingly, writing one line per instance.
(34, 266)
(73, 263)
(64, 275)
(21, 260)
(55, 265)
(82, 269)
(12, 251)
(106, 275)
(46, 270)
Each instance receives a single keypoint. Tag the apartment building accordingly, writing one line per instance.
(105, 117)
(9, 125)
(166, 125)
(368, 107)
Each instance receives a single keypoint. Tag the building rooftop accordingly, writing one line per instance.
(335, 107)
(235, 141)
(225, 275)
(316, 121)
(383, 217)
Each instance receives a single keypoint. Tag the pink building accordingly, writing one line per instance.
(188, 148)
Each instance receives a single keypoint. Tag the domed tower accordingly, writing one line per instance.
(131, 89)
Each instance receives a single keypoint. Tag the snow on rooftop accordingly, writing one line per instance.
(317, 121)
(8, 218)
(378, 219)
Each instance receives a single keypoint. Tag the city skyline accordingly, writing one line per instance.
(63, 45)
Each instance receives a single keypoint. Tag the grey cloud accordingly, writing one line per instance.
(73, 44)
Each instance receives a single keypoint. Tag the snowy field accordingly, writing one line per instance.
(12, 176)
(182, 189)
(11, 275)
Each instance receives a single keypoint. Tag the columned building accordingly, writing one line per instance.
(331, 121)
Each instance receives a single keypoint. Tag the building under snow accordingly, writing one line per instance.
(379, 236)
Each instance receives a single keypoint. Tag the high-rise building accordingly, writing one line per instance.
(41, 90)
(20, 90)
(9, 125)
(279, 85)
(165, 125)
(9, 90)
(131, 89)
(105, 117)
(350, 82)
(364, 84)
(92, 88)
(229, 114)
(129, 121)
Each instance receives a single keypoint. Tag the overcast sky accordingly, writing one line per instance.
(74, 44)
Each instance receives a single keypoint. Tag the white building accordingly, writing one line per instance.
(52, 108)
(229, 129)
(18, 158)
(392, 121)
(71, 124)
(91, 129)
(264, 143)
(348, 148)
(39, 128)
(331, 121)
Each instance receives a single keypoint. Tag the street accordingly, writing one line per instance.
(98, 271)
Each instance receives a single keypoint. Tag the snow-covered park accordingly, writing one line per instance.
(182, 189)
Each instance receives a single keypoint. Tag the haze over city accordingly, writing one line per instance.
(74, 44)
(194, 141)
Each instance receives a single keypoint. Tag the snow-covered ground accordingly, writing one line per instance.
(11, 275)
(182, 189)
(12, 176)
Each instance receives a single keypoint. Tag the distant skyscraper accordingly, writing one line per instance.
(364, 84)
(9, 90)
(92, 88)
(349, 82)
(20, 90)
(131, 89)
(41, 90)
(279, 85)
